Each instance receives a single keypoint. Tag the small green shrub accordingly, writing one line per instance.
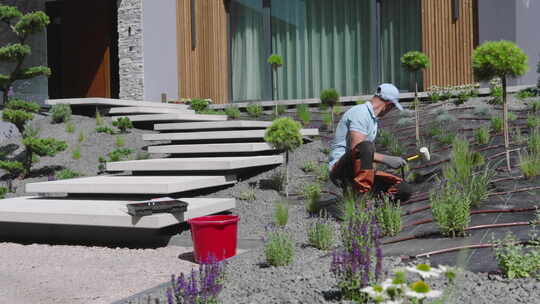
(30, 131)
(281, 214)
(254, 110)
(312, 195)
(530, 165)
(21, 105)
(414, 61)
(280, 109)
(76, 153)
(482, 135)
(329, 97)
(533, 144)
(199, 105)
(279, 249)
(248, 195)
(3, 192)
(17, 117)
(512, 116)
(81, 137)
(451, 210)
(14, 168)
(302, 111)
(60, 113)
(212, 112)
(533, 121)
(67, 174)
(277, 181)
(120, 141)
(497, 124)
(326, 151)
(535, 106)
(36, 147)
(309, 166)
(518, 261)
(70, 127)
(101, 164)
(123, 124)
(275, 60)
(389, 217)
(100, 121)
(524, 94)
(323, 173)
(119, 154)
(321, 235)
(105, 129)
(232, 112)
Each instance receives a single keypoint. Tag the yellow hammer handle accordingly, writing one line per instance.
(413, 157)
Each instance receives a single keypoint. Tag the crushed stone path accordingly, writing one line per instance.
(77, 274)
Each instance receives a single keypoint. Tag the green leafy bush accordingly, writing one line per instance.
(27, 106)
(105, 129)
(284, 135)
(302, 111)
(482, 135)
(533, 121)
(119, 154)
(17, 117)
(76, 153)
(518, 261)
(14, 168)
(414, 61)
(275, 60)
(254, 110)
(36, 147)
(60, 113)
(312, 195)
(67, 174)
(389, 217)
(321, 235)
(530, 165)
(70, 127)
(199, 105)
(524, 94)
(451, 210)
(309, 166)
(123, 124)
(232, 112)
(120, 141)
(329, 97)
(279, 249)
(3, 192)
(281, 214)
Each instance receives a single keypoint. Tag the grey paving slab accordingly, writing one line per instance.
(104, 213)
(211, 148)
(195, 164)
(218, 135)
(230, 124)
(147, 110)
(110, 102)
(111, 184)
(173, 117)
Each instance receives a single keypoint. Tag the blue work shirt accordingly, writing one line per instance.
(360, 118)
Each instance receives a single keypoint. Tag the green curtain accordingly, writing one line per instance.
(248, 62)
(400, 33)
(324, 44)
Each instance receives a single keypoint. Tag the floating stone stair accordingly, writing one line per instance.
(211, 148)
(109, 102)
(218, 135)
(147, 110)
(108, 213)
(196, 164)
(151, 118)
(221, 125)
(112, 184)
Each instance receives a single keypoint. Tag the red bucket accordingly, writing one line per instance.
(214, 237)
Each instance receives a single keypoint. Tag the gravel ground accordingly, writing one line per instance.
(106, 277)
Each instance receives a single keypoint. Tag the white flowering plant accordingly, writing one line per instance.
(399, 290)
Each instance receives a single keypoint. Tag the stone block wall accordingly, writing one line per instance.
(130, 49)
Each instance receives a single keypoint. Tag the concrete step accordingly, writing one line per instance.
(110, 102)
(121, 184)
(147, 110)
(171, 117)
(195, 164)
(230, 124)
(210, 148)
(218, 135)
(103, 213)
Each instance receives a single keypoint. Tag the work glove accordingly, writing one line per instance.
(394, 161)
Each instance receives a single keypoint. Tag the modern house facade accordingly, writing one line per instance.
(218, 49)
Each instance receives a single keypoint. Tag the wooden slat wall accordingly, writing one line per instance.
(203, 72)
(449, 44)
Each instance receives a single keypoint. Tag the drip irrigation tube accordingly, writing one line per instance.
(452, 249)
(419, 236)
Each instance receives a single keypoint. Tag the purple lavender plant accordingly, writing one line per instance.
(353, 265)
(201, 287)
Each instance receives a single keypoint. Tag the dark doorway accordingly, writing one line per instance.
(82, 49)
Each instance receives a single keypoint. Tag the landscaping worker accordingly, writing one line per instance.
(353, 150)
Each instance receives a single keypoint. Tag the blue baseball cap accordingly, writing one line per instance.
(389, 92)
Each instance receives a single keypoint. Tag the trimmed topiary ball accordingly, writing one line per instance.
(415, 61)
(329, 97)
(284, 134)
(275, 60)
(499, 58)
